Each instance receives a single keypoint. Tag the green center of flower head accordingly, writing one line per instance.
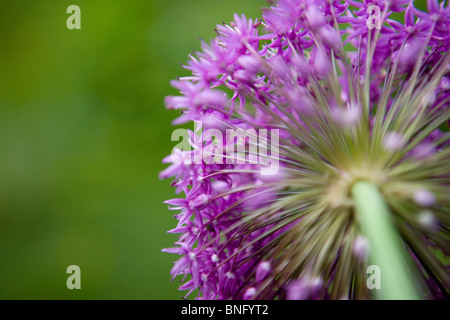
(356, 122)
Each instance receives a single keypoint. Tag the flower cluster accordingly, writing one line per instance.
(355, 96)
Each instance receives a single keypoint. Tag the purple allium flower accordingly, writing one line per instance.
(424, 197)
(393, 141)
(344, 94)
(262, 271)
(427, 220)
(361, 248)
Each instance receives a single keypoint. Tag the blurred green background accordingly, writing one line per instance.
(83, 130)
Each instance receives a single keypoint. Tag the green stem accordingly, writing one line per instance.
(386, 249)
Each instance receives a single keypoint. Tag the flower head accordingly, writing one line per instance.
(332, 92)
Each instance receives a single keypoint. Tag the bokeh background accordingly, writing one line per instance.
(83, 130)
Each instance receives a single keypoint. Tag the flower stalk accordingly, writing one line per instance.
(386, 249)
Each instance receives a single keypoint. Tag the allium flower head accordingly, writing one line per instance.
(353, 109)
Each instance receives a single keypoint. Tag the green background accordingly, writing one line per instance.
(83, 130)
